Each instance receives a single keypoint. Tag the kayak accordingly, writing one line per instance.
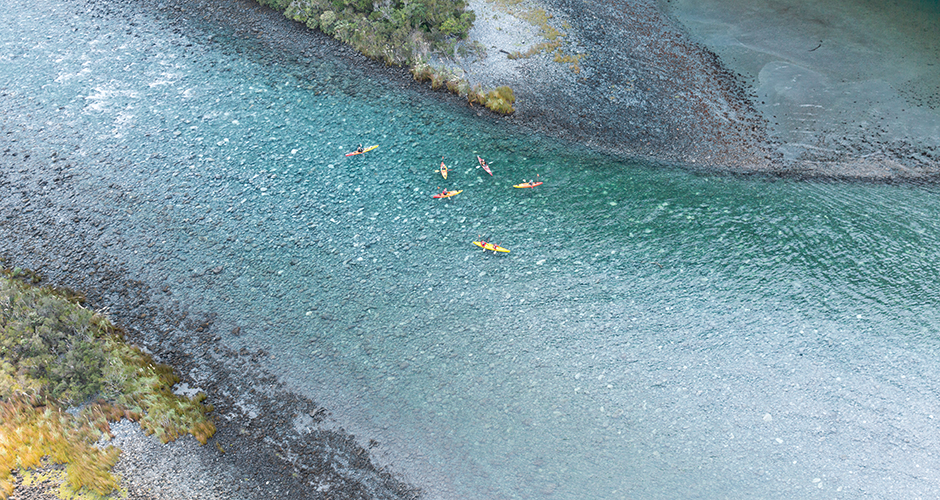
(484, 165)
(527, 184)
(366, 150)
(447, 194)
(443, 169)
(490, 246)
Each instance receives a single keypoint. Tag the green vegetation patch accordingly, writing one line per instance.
(56, 354)
(397, 32)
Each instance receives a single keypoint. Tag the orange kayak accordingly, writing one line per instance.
(528, 184)
(443, 169)
(490, 246)
(447, 194)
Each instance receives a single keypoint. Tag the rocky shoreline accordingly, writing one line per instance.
(644, 88)
(641, 90)
(268, 442)
(647, 88)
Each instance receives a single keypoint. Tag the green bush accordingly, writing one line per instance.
(399, 32)
(326, 21)
(506, 94)
(476, 95)
(422, 71)
(435, 22)
(437, 80)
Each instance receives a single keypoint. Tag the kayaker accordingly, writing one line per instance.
(359, 149)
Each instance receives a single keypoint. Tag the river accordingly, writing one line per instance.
(654, 332)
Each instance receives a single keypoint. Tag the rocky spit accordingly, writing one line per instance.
(643, 89)
(640, 90)
(646, 87)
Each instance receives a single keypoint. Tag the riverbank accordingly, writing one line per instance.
(678, 83)
(649, 80)
(55, 218)
(270, 442)
(633, 78)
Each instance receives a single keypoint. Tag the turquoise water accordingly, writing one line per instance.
(653, 333)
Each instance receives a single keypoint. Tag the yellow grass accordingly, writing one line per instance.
(33, 424)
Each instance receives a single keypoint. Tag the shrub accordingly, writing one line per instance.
(422, 71)
(55, 352)
(498, 102)
(506, 94)
(476, 95)
(399, 32)
(453, 85)
(326, 21)
(437, 79)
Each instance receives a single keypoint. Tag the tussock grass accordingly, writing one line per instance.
(554, 37)
(499, 100)
(574, 61)
(55, 354)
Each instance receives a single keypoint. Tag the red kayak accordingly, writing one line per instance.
(484, 165)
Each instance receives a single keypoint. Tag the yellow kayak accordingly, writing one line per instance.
(443, 170)
(366, 150)
(447, 194)
(490, 246)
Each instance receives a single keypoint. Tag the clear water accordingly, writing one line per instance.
(652, 334)
(828, 74)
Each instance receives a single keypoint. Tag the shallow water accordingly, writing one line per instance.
(653, 333)
(847, 75)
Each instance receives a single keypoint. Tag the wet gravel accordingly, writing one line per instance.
(643, 90)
